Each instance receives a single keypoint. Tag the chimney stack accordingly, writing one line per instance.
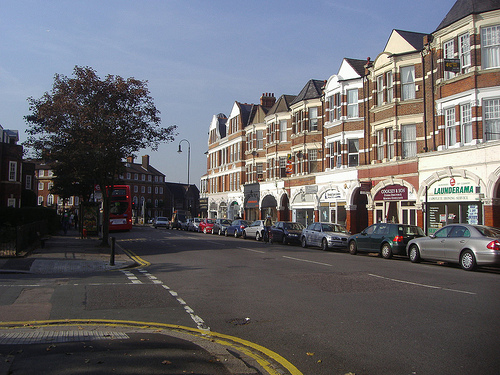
(130, 159)
(145, 162)
(267, 99)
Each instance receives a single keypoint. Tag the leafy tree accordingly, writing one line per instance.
(88, 126)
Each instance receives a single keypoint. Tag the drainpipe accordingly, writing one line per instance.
(425, 100)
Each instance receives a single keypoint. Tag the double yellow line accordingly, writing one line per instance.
(267, 359)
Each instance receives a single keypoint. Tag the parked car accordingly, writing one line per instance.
(206, 226)
(465, 244)
(220, 226)
(384, 238)
(185, 225)
(236, 228)
(286, 232)
(194, 224)
(160, 221)
(325, 235)
(255, 230)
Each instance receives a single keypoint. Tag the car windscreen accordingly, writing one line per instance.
(226, 222)
(294, 226)
(333, 228)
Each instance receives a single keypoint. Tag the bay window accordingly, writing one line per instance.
(490, 46)
(409, 140)
(408, 83)
(466, 123)
(353, 152)
(491, 109)
(352, 103)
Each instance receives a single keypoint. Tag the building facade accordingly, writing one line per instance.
(410, 137)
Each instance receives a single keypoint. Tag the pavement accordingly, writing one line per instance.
(103, 347)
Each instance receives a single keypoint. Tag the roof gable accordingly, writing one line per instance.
(402, 41)
(464, 8)
(312, 90)
(351, 69)
(282, 104)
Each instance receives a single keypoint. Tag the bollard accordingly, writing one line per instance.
(112, 259)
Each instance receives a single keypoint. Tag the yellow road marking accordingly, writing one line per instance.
(255, 351)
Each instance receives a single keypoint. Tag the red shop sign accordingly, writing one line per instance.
(392, 193)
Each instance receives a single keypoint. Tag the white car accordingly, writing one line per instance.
(160, 222)
(254, 230)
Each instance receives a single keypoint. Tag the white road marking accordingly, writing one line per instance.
(308, 261)
(253, 250)
(423, 285)
(199, 321)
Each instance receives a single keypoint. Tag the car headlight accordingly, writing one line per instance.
(293, 234)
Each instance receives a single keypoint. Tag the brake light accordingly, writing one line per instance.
(242, 227)
(494, 245)
(398, 239)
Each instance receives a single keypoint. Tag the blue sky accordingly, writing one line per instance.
(197, 56)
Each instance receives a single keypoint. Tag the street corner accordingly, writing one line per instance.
(110, 345)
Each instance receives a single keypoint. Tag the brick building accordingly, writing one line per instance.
(410, 137)
(16, 176)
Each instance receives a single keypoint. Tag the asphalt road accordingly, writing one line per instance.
(325, 312)
(331, 312)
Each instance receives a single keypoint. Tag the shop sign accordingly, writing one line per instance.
(392, 193)
(332, 196)
(311, 189)
(453, 189)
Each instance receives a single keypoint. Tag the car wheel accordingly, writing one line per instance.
(257, 236)
(468, 260)
(205, 230)
(353, 248)
(220, 232)
(284, 240)
(244, 235)
(386, 251)
(324, 244)
(304, 242)
(414, 254)
(235, 234)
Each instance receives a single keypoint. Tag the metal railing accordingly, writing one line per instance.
(15, 241)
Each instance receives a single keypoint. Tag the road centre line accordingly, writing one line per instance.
(422, 285)
(308, 261)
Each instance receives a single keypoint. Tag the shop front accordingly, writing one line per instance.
(251, 203)
(269, 207)
(332, 206)
(233, 211)
(395, 203)
(303, 205)
(453, 200)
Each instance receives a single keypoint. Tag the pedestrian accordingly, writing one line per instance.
(267, 228)
(65, 222)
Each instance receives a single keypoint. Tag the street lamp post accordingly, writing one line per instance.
(189, 153)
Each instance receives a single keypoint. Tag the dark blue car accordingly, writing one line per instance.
(236, 228)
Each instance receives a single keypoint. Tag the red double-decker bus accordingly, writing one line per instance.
(120, 213)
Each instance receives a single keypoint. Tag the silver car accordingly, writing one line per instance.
(325, 235)
(194, 224)
(254, 230)
(465, 244)
(160, 222)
